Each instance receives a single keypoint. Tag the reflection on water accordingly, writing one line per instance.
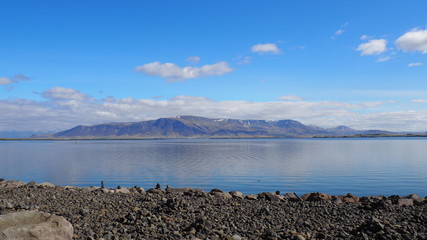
(336, 166)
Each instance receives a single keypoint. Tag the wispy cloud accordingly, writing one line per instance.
(364, 37)
(61, 93)
(266, 48)
(5, 81)
(414, 40)
(290, 98)
(14, 79)
(383, 59)
(193, 59)
(373, 47)
(340, 31)
(417, 64)
(244, 59)
(174, 73)
(390, 93)
(419, 100)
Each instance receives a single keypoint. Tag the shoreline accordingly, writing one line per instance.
(178, 138)
(184, 213)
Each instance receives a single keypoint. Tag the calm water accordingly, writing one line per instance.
(362, 166)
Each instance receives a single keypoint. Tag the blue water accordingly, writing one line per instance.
(368, 166)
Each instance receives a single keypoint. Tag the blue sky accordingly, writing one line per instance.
(327, 63)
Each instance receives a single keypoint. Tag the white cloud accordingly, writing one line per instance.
(417, 64)
(290, 98)
(364, 37)
(266, 48)
(414, 40)
(61, 93)
(419, 100)
(64, 109)
(193, 59)
(173, 73)
(373, 47)
(376, 104)
(383, 59)
(390, 93)
(14, 79)
(339, 32)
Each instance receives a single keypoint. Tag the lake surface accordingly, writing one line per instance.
(366, 166)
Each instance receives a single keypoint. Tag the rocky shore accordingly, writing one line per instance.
(183, 213)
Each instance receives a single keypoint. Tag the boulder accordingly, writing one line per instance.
(270, 196)
(34, 225)
(415, 197)
(251, 197)
(317, 196)
(11, 184)
(370, 198)
(90, 189)
(46, 184)
(305, 196)
(71, 188)
(195, 192)
(121, 190)
(137, 189)
(405, 202)
(349, 198)
(292, 197)
(225, 195)
(106, 190)
(177, 190)
(5, 204)
(236, 194)
(31, 184)
(156, 191)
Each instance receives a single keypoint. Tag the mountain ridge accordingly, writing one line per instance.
(201, 127)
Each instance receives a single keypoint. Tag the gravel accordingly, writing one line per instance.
(183, 213)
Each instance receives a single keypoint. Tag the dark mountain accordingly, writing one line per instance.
(193, 127)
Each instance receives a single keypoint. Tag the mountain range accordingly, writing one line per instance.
(200, 127)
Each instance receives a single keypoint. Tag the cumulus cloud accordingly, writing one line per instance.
(61, 93)
(414, 40)
(290, 98)
(417, 64)
(266, 48)
(373, 47)
(14, 79)
(193, 59)
(173, 73)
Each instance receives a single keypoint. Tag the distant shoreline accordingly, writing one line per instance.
(168, 138)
